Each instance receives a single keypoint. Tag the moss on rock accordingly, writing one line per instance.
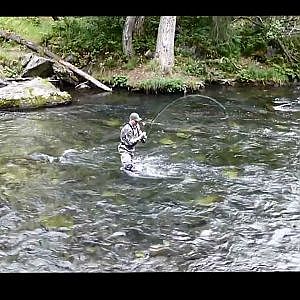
(35, 93)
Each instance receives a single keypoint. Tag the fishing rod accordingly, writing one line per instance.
(181, 98)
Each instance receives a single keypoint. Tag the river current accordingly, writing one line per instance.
(218, 191)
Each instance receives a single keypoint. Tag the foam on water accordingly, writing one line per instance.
(154, 167)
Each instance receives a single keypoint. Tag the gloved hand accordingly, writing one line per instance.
(143, 136)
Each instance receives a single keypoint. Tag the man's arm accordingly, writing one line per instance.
(128, 138)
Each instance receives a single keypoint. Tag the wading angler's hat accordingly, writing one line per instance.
(135, 116)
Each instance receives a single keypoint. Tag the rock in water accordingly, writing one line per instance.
(38, 66)
(33, 93)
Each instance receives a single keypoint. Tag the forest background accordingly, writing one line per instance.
(164, 53)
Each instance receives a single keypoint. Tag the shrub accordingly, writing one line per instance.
(119, 81)
(87, 35)
(163, 85)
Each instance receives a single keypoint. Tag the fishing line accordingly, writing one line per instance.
(182, 98)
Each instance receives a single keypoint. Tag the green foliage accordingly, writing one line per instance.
(132, 63)
(263, 75)
(110, 60)
(163, 85)
(119, 81)
(200, 33)
(255, 38)
(87, 35)
(195, 67)
(228, 65)
(153, 65)
(206, 69)
(31, 28)
(193, 37)
(10, 65)
(191, 30)
(230, 48)
(147, 40)
(36, 21)
(251, 39)
(220, 28)
(206, 47)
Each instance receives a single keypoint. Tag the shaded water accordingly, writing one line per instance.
(222, 192)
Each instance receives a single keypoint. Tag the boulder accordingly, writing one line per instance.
(65, 76)
(37, 66)
(33, 93)
(2, 83)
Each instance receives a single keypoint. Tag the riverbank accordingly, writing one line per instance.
(143, 78)
(191, 72)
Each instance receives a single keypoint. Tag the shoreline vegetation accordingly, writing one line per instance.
(228, 51)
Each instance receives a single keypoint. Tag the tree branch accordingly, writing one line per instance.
(44, 51)
(260, 23)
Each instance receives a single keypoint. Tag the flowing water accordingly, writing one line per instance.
(217, 192)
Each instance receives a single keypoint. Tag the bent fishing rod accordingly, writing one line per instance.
(182, 98)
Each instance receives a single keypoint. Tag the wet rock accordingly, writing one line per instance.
(279, 234)
(166, 141)
(3, 83)
(160, 250)
(33, 93)
(180, 235)
(117, 234)
(65, 265)
(65, 75)
(38, 66)
(82, 85)
(206, 233)
(42, 157)
(57, 221)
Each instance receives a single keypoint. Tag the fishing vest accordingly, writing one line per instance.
(123, 136)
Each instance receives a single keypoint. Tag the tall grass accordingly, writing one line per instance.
(31, 28)
(162, 84)
(263, 75)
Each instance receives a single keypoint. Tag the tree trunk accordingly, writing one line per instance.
(41, 51)
(139, 25)
(127, 36)
(220, 28)
(165, 43)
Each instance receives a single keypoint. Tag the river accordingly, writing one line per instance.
(219, 190)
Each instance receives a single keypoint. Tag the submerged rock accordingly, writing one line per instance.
(33, 93)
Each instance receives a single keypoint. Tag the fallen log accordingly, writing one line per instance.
(43, 51)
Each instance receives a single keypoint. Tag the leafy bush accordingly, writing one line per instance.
(82, 35)
(195, 68)
(31, 28)
(132, 63)
(263, 75)
(119, 81)
(163, 85)
(147, 40)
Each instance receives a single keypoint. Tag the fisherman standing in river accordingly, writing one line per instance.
(130, 135)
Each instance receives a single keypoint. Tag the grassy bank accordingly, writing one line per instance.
(94, 44)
